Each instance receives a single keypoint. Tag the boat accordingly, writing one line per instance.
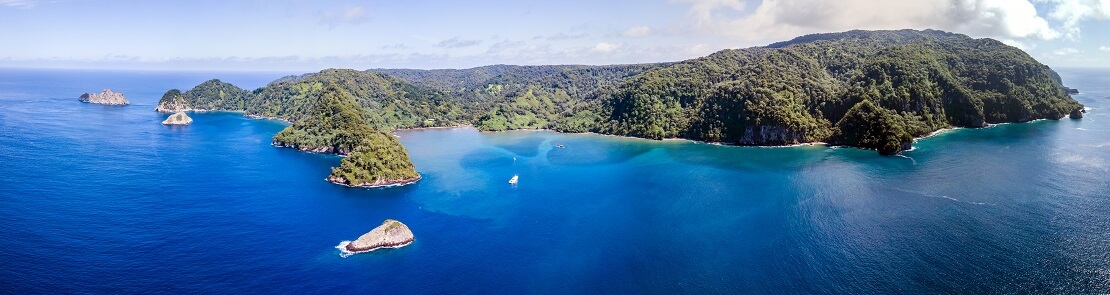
(513, 180)
(560, 146)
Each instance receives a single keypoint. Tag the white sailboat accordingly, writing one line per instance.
(513, 180)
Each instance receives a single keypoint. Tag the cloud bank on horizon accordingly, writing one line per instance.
(299, 35)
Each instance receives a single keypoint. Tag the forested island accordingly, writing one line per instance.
(869, 89)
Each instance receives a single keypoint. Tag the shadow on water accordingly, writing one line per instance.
(485, 158)
(586, 149)
(749, 158)
(522, 143)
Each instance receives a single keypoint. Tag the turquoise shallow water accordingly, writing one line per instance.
(106, 200)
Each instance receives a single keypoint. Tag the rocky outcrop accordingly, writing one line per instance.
(379, 182)
(179, 118)
(107, 97)
(391, 234)
(1077, 113)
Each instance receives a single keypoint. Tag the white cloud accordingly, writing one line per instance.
(699, 50)
(351, 15)
(641, 31)
(703, 11)
(397, 46)
(605, 47)
(1104, 48)
(458, 43)
(1066, 51)
(1072, 12)
(564, 36)
(788, 18)
(1020, 45)
(19, 3)
(506, 45)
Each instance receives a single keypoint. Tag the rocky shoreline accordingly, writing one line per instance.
(375, 184)
(315, 150)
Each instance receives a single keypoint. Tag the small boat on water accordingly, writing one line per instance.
(513, 180)
(560, 146)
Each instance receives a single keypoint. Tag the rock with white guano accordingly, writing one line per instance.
(391, 234)
(179, 118)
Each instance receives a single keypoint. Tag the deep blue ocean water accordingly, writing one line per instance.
(100, 199)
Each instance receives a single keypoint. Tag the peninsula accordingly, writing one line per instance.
(869, 89)
(107, 97)
(338, 125)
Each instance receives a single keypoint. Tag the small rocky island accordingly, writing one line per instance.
(179, 118)
(107, 97)
(391, 234)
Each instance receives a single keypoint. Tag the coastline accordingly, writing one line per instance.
(470, 126)
(319, 150)
(266, 118)
(244, 113)
(679, 139)
(387, 184)
(937, 132)
(430, 128)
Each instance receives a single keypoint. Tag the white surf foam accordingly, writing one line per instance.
(343, 249)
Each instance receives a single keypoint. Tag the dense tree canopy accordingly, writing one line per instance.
(337, 124)
(799, 91)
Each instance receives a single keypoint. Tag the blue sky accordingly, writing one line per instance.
(301, 35)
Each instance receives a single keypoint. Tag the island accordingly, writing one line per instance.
(390, 234)
(107, 97)
(875, 90)
(179, 118)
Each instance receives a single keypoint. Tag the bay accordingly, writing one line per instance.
(101, 199)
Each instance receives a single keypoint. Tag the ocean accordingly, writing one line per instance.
(103, 199)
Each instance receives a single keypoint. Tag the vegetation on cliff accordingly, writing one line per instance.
(869, 126)
(380, 160)
(337, 124)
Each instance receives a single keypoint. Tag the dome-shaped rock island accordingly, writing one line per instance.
(179, 118)
(107, 97)
(391, 234)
